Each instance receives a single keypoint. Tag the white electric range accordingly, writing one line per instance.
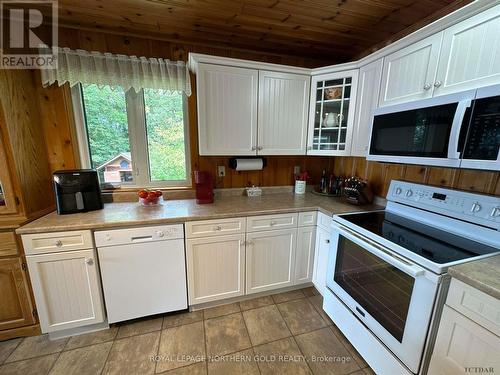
(387, 277)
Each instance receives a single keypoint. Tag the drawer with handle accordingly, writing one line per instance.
(42, 243)
(206, 228)
(271, 222)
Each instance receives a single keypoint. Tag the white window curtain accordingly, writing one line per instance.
(79, 66)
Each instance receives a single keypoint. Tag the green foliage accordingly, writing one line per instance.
(107, 128)
(165, 129)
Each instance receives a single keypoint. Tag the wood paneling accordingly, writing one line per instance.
(380, 175)
(57, 117)
(453, 5)
(321, 29)
(6, 182)
(22, 120)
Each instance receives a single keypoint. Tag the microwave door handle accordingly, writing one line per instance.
(379, 251)
(458, 120)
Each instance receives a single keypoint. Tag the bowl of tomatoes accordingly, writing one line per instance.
(150, 197)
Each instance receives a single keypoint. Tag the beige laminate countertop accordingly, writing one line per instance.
(483, 275)
(177, 211)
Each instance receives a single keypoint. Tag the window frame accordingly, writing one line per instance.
(136, 118)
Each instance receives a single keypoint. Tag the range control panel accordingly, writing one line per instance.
(477, 208)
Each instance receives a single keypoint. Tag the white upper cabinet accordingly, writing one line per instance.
(227, 110)
(331, 113)
(282, 118)
(366, 101)
(470, 55)
(409, 74)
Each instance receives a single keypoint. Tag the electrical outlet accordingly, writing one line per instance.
(221, 170)
(296, 170)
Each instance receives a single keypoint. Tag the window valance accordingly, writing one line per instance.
(79, 66)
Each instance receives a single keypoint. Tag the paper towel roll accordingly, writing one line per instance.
(249, 164)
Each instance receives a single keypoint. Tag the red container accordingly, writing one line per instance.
(204, 187)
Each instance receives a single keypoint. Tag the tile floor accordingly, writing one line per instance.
(287, 333)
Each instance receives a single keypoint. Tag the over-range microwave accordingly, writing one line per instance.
(457, 130)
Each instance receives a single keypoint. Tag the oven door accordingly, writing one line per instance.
(393, 297)
(430, 131)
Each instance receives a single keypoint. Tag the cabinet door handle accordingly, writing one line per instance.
(427, 86)
(89, 261)
(59, 243)
(218, 227)
(248, 243)
(259, 148)
(327, 241)
(273, 223)
(438, 83)
(254, 148)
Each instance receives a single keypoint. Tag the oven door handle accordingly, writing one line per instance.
(381, 252)
(458, 120)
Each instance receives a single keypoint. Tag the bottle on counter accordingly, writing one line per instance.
(331, 184)
(323, 183)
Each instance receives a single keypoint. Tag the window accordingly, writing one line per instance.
(133, 139)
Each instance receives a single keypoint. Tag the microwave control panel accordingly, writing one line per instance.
(483, 209)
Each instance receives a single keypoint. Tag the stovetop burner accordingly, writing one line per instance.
(431, 243)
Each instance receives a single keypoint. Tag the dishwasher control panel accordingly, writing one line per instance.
(139, 234)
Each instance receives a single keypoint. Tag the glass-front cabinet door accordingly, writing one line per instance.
(331, 117)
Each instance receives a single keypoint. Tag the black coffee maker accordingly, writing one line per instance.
(77, 191)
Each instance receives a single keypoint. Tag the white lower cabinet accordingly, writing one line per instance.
(468, 339)
(216, 268)
(272, 253)
(67, 289)
(304, 255)
(321, 259)
(463, 346)
(270, 259)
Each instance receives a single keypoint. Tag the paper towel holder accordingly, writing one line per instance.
(233, 163)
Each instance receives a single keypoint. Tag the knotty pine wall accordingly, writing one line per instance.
(381, 174)
(57, 121)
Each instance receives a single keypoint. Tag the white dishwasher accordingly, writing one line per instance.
(143, 270)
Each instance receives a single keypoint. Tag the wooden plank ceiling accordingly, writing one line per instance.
(334, 30)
